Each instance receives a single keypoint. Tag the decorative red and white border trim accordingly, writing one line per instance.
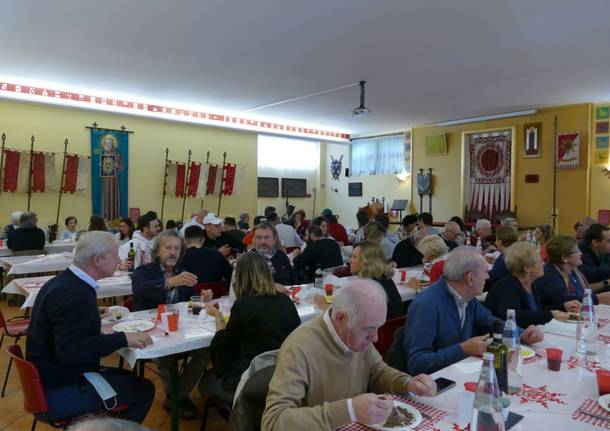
(87, 101)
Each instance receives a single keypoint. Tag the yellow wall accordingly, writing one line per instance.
(51, 125)
(600, 183)
(377, 186)
(533, 201)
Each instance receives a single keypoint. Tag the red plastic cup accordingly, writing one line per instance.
(173, 318)
(553, 358)
(294, 290)
(470, 386)
(603, 381)
(403, 276)
(161, 308)
(329, 289)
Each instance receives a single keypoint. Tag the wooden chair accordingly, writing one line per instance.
(34, 397)
(471, 215)
(386, 334)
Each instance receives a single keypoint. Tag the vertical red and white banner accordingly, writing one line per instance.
(176, 179)
(211, 183)
(43, 172)
(490, 172)
(76, 177)
(232, 181)
(12, 169)
(16, 175)
(202, 183)
(193, 180)
(568, 150)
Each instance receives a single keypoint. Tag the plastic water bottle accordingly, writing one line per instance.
(318, 281)
(487, 408)
(586, 331)
(510, 338)
(479, 245)
(529, 236)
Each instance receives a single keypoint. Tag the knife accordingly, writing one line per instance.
(595, 415)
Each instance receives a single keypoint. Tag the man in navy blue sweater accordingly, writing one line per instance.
(446, 323)
(64, 338)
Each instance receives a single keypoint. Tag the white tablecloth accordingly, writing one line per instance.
(54, 247)
(118, 285)
(16, 265)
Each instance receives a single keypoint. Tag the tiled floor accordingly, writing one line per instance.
(14, 418)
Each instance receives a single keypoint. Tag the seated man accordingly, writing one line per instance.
(142, 241)
(28, 236)
(406, 254)
(325, 369)
(215, 238)
(196, 220)
(236, 234)
(162, 282)
(484, 232)
(320, 253)
(205, 263)
(65, 341)
(286, 233)
(424, 222)
(450, 233)
(265, 244)
(594, 247)
(14, 224)
(581, 227)
(446, 323)
(505, 237)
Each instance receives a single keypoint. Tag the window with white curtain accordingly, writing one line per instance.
(281, 154)
(380, 155)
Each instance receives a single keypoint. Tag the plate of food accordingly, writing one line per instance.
(527, 353)
(118, 313)
(403, 417)
(134, 326)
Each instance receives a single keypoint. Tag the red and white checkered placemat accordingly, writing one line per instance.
(592, 406)
(426, 425)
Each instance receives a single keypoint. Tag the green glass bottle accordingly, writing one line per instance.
(500, 352)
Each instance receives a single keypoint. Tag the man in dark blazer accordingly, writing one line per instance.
(594, 246)
(28, 236)
(265, 240)
(163, 282)
(320, 253)
(64, 338)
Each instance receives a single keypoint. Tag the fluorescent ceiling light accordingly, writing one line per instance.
(487, 117)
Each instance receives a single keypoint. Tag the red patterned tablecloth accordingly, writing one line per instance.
(434, 415)
(592, 406)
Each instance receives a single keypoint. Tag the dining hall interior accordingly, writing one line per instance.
(204, 203)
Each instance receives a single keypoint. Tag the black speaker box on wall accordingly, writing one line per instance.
(347, 172)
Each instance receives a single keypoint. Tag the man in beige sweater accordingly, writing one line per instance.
(326, 367)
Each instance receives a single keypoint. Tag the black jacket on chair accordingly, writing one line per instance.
(147, 285)
(26, 238)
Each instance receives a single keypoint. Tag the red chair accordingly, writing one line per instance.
(15, 327)
(218, 288)
(291, 249)
(128, 303)
(386, 334)
(34, 398)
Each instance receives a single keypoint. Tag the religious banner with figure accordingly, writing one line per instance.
(489, 184)
(568, 150)
(109, 173)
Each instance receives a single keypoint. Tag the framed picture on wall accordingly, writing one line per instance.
(532, 138)
(354, 189)
(436, 145)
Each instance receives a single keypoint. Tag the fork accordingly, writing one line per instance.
(595, 415)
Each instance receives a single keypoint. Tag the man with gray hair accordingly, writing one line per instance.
(14, 224)
(446, 323)
(326, 368)
(450, 233)
(65, 338)
(28, 236)
(483, 231)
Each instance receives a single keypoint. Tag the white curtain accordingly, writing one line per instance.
(381, 155)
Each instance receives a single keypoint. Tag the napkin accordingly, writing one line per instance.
(469, 366)
(561, 328)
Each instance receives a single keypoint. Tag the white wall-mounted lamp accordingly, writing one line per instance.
(402, 176)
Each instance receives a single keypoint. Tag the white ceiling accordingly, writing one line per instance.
(423, 60)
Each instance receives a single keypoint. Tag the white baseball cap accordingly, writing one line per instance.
(211, 219)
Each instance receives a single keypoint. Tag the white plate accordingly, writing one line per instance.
(134, 326)
(527, 353)
(604, 401)
(417, 419)
(118, 310)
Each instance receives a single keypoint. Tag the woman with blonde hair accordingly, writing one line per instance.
(514, 290)
(434, 251)
(261, 318)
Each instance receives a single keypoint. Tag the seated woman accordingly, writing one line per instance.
(368, 261)
(543, 233)
(514, 290)
(562, 286)
(434, 252)
(261, 318)
(126, 230)
(298, 222)
(70, 232)
(97, 223)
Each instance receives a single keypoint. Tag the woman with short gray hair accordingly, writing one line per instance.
(514, 290)
(434, 251)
